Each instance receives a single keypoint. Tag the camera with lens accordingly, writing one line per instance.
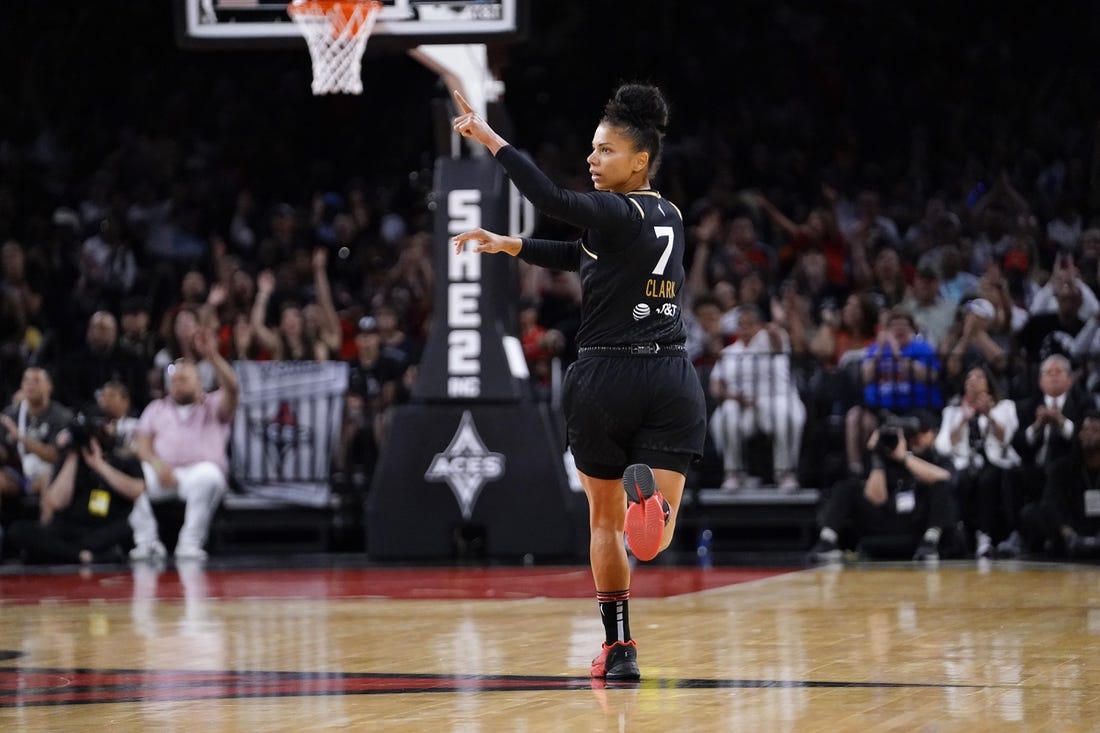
(891, 429)
(82, 428)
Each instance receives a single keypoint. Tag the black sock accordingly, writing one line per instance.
(615, 615)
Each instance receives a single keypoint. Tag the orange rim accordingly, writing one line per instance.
(345, 9)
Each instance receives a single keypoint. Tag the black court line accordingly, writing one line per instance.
(32, 686)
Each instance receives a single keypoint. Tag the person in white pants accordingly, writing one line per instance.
(753, 381)
(181, 440)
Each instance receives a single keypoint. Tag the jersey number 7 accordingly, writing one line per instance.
(662, 232)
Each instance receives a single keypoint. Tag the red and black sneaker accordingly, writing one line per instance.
(618, 661)
(647, 511)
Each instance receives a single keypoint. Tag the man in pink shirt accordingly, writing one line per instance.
(181, 440)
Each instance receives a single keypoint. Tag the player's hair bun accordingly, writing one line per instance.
(638, 105)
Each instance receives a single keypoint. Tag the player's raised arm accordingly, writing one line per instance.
(470, 124)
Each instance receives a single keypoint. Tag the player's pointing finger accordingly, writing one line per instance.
(462, 103)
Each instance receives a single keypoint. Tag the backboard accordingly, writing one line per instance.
(402, 24)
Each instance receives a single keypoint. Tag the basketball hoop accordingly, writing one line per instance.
(336, 32)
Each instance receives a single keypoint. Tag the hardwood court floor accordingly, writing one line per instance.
(858, 648)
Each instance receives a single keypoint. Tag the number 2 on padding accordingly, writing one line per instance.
(663, 261)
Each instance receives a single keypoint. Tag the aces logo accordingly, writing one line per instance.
(466, 465)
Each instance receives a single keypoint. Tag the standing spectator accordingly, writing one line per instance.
(86, 505)
(753, 381)
(31, 426)
(181, 440)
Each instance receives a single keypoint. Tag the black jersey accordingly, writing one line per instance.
(630, 256)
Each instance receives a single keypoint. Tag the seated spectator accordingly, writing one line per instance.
(1065, 272)
(180, 344)
(289, 340)
(864, 219)
(907, 493)
(888, 281)
(540, 347)
(395, 337)
(1067, 517)
(742, 252)
(790, 310)
(933, 315)
(1049, 420)
(101, 360)
(86, 505)
(115, 405)
(899, 373)
(1054, 332)
(135, 336)
(705, 339)
(181, 440)
(753, 381)
(853, 328)
(969, 341)
(976, 434)
(818, 232)
(31, 426)
(375, 383)
(956, 284)
(238, 341)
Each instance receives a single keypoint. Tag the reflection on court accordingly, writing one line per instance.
(854, 648)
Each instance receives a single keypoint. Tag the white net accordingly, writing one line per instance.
(337, 34)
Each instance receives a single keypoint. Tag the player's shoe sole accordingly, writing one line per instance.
(645, 515)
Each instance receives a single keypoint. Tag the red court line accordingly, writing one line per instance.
(347, 583)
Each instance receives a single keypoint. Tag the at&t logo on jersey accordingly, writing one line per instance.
(641, 311)
(669, 309)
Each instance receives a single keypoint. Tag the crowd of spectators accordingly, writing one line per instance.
(888, 227)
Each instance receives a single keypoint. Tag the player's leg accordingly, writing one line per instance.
(611, 572)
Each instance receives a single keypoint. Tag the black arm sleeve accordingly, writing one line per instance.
(551, 254)
(597, 209)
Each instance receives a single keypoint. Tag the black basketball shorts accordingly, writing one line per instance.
(634, 409)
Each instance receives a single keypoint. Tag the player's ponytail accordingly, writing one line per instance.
(641, 112)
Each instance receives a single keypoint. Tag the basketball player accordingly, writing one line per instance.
(633, 403)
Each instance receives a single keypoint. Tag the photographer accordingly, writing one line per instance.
(908, 491)
(86, 506)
